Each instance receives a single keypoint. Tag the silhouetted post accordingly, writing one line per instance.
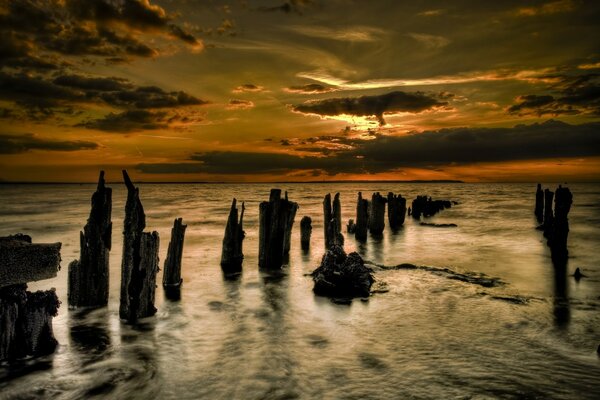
(276, 218)
(560, 228)
(88, 276)
(172, 270)
(362, 218)
(305, 232)
(377, 214)
(539, 203)
(332, 225)
(548, 215)
(232, 254)
(351, 226)
(26, 317)
(140, 260)
(396, 210)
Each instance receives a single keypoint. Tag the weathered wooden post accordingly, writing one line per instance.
(560, 229)
(548, 214)
(140, 260)
(539, 203)
(88, 276)
(276, 218)
(26, 317)
(332, 225)
(377, 214)
(305, 232)
(396, 210)
(362, 218)
(232, 254)
(172, 270)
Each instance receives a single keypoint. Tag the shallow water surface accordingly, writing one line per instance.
(531, 334)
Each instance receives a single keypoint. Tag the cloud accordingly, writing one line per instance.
(430, 42)
(290, 6)
(21, 143)
(429, 149)
(237, 104)
(376, 106)
(553, 7)
(129, 121)
(349, 34)
(248, 87)
(311, 88)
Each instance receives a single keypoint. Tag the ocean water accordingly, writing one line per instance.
(261, 336)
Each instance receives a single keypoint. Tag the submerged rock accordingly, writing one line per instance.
(341, 275)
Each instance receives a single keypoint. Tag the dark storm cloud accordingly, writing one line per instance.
(371, 105)
(575, 95)
(430, 149)
(311, 88)
(21, 143)
(129, 121)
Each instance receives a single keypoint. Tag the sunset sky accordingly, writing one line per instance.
(297, 90)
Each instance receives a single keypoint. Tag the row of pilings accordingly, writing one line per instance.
(554, 221)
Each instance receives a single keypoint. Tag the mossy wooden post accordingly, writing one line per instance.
(88, 276)
(362, 218)
(140, 260)
(276, 218)
(172, 270)
(232, 254)
(396, 210)
(377, 214)
(305, 232)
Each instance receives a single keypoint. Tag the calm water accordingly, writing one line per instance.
(269, 337)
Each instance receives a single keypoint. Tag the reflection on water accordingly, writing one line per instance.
(435, 333)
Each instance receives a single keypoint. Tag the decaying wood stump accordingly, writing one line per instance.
(351, 226)
(232, 254)
(332, 225)
(276, 218)
(396, 210)
(548, 214)
(88, 276)
(305, 232)
(560, 229)
(377, 214)
(427, 207)
(362, 218)
(539, 203)
(140, 260)
(172, 269)
(26, 317)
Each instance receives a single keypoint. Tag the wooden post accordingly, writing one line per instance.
(140, 260)
(276, 218)
(172, 270)
(362, 218)
(539, 203)
(88, 276)
(305, 232)
(377, 214)
(232, 254)
(560, 229)
(332, 225)
(548, 214)
(396, 210)
(327, 220)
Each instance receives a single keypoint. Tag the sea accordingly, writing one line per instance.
(486, 317)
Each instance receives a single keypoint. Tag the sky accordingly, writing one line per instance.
(300, 90)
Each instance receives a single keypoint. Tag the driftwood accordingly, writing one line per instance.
(172, 269)
(26, 317)
(305, 232)
(140, 260)
(377, 214)
(276, 218)
(88, 276)
(396, 210)
(232, 254)
(332, 224)
(362, 218)
(539, 203)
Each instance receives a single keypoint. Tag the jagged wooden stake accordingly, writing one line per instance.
(232, 254)
(362, 218)
(172, 270)
(276, 218)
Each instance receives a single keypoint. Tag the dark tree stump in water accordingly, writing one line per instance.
(362, 218)
(351, 226)
(232, 254)
(559, 232)
(305, 232)
(140, 260)
(172, 270)
(377, 214)
(342, 276)
(548, 214)
(396, 210)
(276, 218)
(332, 225)
(88, 276)
(539, 203)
